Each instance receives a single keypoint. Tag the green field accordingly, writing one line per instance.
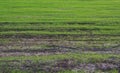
(60, 36)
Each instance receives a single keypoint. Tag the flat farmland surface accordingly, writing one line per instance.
(59, 36)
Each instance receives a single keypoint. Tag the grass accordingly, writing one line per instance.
(82, 57)
(86, 31)
(36, 18)
(40, 29)
(59, 10)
